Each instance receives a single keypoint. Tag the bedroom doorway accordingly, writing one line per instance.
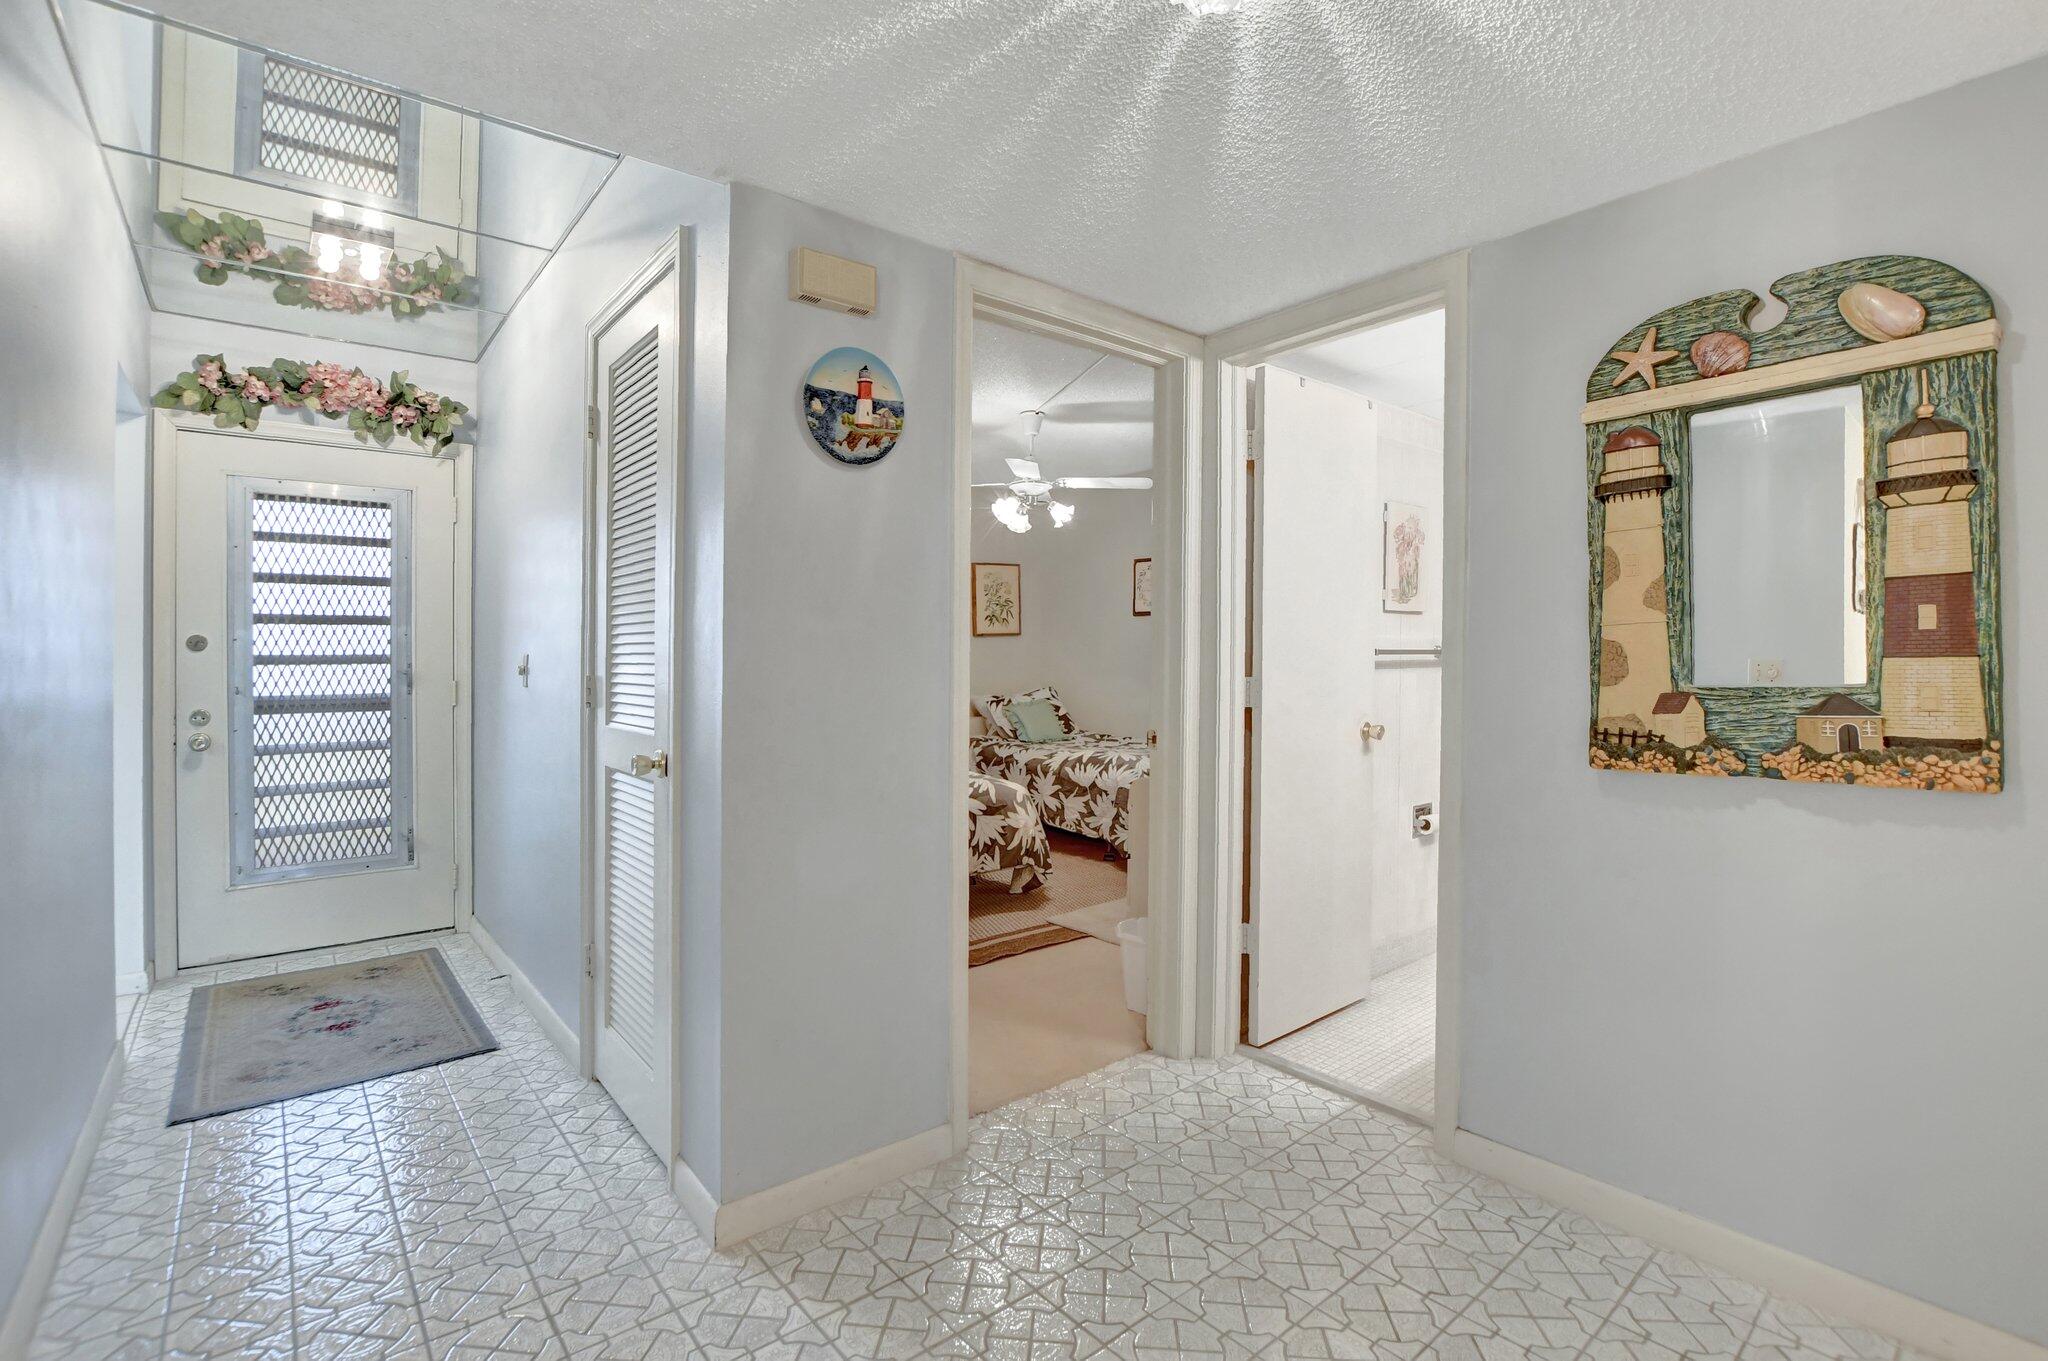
(1073, 441)
(1061, 663)
(1339, 425)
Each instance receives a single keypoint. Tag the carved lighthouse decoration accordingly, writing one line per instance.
(864, 401)
(1635, 643)
(1932, 690)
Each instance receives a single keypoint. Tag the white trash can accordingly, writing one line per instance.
(1130, 936)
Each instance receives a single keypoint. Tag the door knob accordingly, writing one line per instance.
(1371, 732)
(656, 764)
(199, 741)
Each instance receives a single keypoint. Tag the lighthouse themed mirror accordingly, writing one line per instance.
(852, 406)
(1794, 535)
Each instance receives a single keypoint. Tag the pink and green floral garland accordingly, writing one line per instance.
(373, 410)
(233, 244)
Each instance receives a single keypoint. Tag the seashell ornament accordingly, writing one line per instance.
(1879, 313)
(1719, 352)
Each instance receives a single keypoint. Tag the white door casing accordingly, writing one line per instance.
(1316, 571)
(321, 579)
(634, 453)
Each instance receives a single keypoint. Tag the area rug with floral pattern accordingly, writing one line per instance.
(258, 1040)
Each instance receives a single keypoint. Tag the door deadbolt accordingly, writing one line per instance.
(200, 718)
(195, 642)
(199, 741)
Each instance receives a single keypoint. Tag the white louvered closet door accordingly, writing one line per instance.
(633, 956)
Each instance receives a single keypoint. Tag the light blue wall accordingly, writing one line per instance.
(71, 317)
(839, 822)
(529, 585)
(1813, 1014)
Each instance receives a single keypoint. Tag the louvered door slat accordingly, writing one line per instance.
(633, 511)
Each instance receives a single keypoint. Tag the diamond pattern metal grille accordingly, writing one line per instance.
(321, 127)
(325, 688)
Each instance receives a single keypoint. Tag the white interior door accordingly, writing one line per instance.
(315, 684)
(1315, 613)
(632, 958)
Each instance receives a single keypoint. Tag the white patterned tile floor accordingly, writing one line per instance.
(499, 1206)
(1383, 1047)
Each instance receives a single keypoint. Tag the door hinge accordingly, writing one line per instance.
(1251, 415)
(590, 421)
(1244, 938)
(458, 876)
(408, 846)
(1251, 692)
(589, 691)
(589, 960)
(408, 680)
(455, 695)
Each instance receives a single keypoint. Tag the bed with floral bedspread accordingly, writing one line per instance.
(1005, 833)
(1082, 783)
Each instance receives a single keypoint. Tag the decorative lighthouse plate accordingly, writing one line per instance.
(852, 406)
(1794, 535)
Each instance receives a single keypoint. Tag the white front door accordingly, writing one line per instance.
(633, 560)
(1315, 614)
(314, 685)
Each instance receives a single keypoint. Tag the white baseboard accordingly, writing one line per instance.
(551, 1023)
(18, 1327)
(1926, 1327)
(738, 1220)
(130, 984)
(1401, 951)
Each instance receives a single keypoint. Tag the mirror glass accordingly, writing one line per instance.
(1777, 527)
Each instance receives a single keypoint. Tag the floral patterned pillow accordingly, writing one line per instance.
(995, 710)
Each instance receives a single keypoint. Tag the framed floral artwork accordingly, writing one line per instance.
(998, 599)
(1141, 586)
(1402, 571)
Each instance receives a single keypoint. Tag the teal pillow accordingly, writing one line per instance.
(1037, 721)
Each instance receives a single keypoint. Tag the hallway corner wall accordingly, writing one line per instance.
(72, 319)
(1818, 1021)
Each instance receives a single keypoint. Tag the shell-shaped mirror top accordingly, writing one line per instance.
(1843, 306)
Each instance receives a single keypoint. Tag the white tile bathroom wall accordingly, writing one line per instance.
(1408, 700)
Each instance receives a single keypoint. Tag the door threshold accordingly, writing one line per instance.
(1324, 1080)
(192, 972)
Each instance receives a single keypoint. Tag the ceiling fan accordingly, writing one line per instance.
(1029, 487)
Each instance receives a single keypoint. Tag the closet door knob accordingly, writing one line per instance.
(656, 764)
(1372, 732)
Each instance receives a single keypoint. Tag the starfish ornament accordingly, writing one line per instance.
(1642, 360)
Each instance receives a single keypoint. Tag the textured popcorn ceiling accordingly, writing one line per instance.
(1100, 426)
(1200, 170)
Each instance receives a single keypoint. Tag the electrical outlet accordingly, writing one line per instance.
(1766, 670)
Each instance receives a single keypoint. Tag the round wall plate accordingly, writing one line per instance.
(853, 406)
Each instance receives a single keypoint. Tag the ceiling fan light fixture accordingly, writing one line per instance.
(1062, 513)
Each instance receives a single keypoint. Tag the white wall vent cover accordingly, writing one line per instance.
(830, 281)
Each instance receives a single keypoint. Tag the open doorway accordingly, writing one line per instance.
(1062, 664)
(1344, 648)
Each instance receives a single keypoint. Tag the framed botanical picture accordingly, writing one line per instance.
(1141, 586)
(1402, 572)
(998, 599)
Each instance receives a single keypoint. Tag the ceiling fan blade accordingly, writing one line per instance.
(1026, 469)
(1105, 483)
(1101, 413)
(990, 484)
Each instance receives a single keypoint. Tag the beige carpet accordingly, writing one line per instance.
(1001, 924)
(1039, 1019)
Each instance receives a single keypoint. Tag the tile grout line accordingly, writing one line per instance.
(291, 1240)
(412, 1286)
(163, 1345)
(518, 1243)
